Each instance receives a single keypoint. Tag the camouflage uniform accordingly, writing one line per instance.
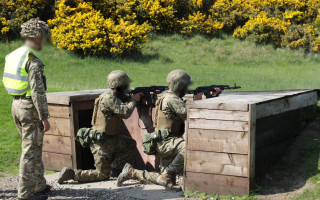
(29, 106)
(171, 150)
(171, 112)
(115, 150)
(27, 114)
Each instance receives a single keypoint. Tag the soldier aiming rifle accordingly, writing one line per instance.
(166, 142)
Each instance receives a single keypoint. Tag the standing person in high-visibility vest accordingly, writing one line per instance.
(23, 79)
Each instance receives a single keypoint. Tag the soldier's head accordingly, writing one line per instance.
(35, 32)
(179, 82)
(118, 80)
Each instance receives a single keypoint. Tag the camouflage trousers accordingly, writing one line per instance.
(112, 154)
(31, 171)
(171, 152)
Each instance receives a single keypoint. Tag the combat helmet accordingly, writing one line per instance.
(178, 80)
(118, 79)
(35, 28)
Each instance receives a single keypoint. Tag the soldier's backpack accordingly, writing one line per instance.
(149, 140)
(87, 136)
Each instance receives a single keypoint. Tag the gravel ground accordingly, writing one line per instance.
(8, 190)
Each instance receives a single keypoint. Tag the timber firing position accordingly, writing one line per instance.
(23, 79)
(110, 149)
(166, 142)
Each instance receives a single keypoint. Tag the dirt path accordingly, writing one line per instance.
(95, 191)
(9, 184)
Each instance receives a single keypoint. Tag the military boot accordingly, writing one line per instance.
(128, 172)
(66, 174)
(168, 179)
(163, 179)
(36, 197)
(44, 190)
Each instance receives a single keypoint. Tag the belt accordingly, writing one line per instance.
(20, 97)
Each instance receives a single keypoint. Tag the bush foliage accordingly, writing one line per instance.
(79, 27)
(120, 26)
(14, 12)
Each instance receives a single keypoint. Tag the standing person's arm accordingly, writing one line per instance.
(38, 90)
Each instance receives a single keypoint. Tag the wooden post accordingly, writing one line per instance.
(74, 121)
(252, 143)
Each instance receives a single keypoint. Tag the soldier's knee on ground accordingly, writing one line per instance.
(105, 172)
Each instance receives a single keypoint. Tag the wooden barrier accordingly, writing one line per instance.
(70, 111)
(229, 139)
(233, 138)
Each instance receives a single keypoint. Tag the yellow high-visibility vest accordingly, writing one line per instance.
(15, 76)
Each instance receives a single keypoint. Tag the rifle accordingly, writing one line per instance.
(150, 100)
(206, 90)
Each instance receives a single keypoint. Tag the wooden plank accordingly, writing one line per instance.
(276, 128)
(57, 144)
(64, 98)
(217, 163)
(219, 106)
(218, 114)
(187, 130)
(308, 113)
(252, 144)
(218, 141)
(75, 146)
(59, 126)
(54, 161)
(218, 125)
(242, 98)
(59, 111)
(286, 104)
(217, 184)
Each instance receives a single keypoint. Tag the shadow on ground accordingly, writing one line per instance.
(288, 177)
(8, 194)
(127, 193)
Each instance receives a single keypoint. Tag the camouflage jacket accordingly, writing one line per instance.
(35, 69)
(173, 106)
(121, 106)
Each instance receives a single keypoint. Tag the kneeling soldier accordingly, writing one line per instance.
(115, 150)
(166, 141)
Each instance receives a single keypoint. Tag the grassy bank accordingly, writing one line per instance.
(312, 171)
(214, 61)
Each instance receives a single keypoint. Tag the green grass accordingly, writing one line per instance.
(312, 171)
(208, 61)
(193, 194)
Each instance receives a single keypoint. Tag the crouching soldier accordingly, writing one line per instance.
(110, 154)
(166, 142)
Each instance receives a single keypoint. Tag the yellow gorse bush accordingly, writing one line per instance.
(263, 29)
(83, 29)
(4, 26)
(120, 26)
(199, 22)
(14, 12)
